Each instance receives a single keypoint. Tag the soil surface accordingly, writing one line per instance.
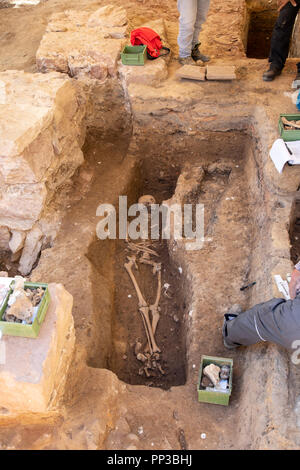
(146, 413)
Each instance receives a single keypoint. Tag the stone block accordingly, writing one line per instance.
(17, 241)
(32, 248)
(220, 72)
(83, 44)
(21, 205)
(34, 374)
(42, 128)
(153, 73)
(108, 16)
(191, 72)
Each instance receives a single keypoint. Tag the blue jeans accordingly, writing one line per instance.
(193, 14)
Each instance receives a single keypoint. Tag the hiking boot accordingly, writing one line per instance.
(296, 82)
(232, 313)
(272, 73)
(196, 54)
(186, 61)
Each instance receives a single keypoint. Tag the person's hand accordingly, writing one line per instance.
(282, 3)
(294, 285)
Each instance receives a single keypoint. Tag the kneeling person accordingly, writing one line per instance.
(277, 320)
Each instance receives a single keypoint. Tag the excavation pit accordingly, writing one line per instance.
(261, 24)
(227, 188)
(295, 231)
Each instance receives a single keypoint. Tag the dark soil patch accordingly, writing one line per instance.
(260, 32)
(295, 232)
(170, 331)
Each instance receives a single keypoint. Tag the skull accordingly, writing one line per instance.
(147, 200)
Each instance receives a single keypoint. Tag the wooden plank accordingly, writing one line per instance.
(191, 72)
(220, 72)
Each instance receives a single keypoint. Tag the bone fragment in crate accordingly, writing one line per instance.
(287, 123)
(35, 295)
(213, 373)
(225, 372)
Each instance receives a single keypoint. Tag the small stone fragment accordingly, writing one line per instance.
(206, 382)
(182, 440)
(137, 348)
(213, 373)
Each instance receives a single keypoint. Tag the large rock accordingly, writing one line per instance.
(34, 374)
(4, 238)
(21, 205)
(32, 248)
(83, 44)
(17, 241)
(154, 72)
(42, 129)
(108, 16)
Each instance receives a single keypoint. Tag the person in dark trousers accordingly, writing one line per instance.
(280, 41)
(277, 321)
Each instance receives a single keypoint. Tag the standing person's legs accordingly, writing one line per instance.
(202, 10)
(281, 36)
(188, 16)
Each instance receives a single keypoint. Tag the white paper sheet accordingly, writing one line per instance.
(280, 155)
(282, 286)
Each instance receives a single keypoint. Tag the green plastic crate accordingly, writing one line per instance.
(206, 396)
(289, 136)
(18, 329)
(134, 55)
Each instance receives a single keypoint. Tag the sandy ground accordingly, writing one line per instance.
(147, 417)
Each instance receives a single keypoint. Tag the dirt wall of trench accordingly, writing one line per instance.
(264, 392)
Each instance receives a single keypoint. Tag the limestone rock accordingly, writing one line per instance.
(32, 248)
(17, 241)
(108, 16)
(42, 129)
(191, 72)
(4, 238)
(220, 72)
(21, 309)
(21, 205)
(153, 73)
(88, 45)
(213, 373)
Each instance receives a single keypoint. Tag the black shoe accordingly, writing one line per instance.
(270, 74)
(196, 54)
(230, 315)
(296, 82)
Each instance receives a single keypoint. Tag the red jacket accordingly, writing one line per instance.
(149, 38)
